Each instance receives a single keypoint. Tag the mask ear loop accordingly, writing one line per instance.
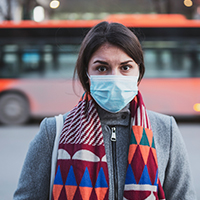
(88, 75)
(88, 78)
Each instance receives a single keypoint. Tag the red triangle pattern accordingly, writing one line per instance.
(152, 166)
(137, 164)
(138, 195)
(145, 152)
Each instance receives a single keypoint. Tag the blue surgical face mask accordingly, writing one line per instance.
(113, 92)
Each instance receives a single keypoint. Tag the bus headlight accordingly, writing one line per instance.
(196, 107)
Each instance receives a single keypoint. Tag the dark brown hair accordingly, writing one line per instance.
(115, 34)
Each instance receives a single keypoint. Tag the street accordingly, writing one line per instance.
(14, 142)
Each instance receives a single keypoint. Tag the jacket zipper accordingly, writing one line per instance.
(113, 141)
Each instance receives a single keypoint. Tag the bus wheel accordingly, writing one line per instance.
(14, 109)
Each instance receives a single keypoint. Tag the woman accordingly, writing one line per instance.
(110, 146)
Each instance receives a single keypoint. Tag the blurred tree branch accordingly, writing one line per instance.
(7, 14)
(157, 6)
(27, 7)
(168, 7)
(165, 8)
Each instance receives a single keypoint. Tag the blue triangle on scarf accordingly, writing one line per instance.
(71, 180)
(153, 144)
(86, 181)
(130, 178)
(101, 180)
(145, 179)
(133, 140)
(58, 177)
(155, 182)
(144, 140)
(83, 95)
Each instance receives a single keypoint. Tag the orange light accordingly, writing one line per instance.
(197, 107)
(54, 4)
(188, 3)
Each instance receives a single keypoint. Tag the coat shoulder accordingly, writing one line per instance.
(158, 117)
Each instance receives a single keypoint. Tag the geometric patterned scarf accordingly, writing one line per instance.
(82, 171)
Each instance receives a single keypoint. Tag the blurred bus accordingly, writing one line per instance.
(37, 62)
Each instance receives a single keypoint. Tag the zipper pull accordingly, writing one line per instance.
(113, 134)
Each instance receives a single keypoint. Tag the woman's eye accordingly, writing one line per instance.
(101, 69)
(126, 67)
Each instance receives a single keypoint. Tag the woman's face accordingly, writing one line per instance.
(111, 60)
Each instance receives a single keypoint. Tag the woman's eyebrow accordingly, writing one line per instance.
(105, 63)
(101, 62)
(126, 62)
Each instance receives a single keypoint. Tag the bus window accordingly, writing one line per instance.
(60, 61)
(195, 64)
(30, 61)
(48, 61)
(150, 63)
(173, 60)
(158, 63)
(166, 63)
(198, 66)
(66, 64)
(9, 61)
(186, 64)
(66, 60)
(10, 65)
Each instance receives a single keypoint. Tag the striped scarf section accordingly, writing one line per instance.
(82, 170)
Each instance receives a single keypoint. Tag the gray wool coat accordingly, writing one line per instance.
(173, 165)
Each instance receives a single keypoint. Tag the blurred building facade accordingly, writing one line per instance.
(24, 9)
(10, 10)
(21, 9)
